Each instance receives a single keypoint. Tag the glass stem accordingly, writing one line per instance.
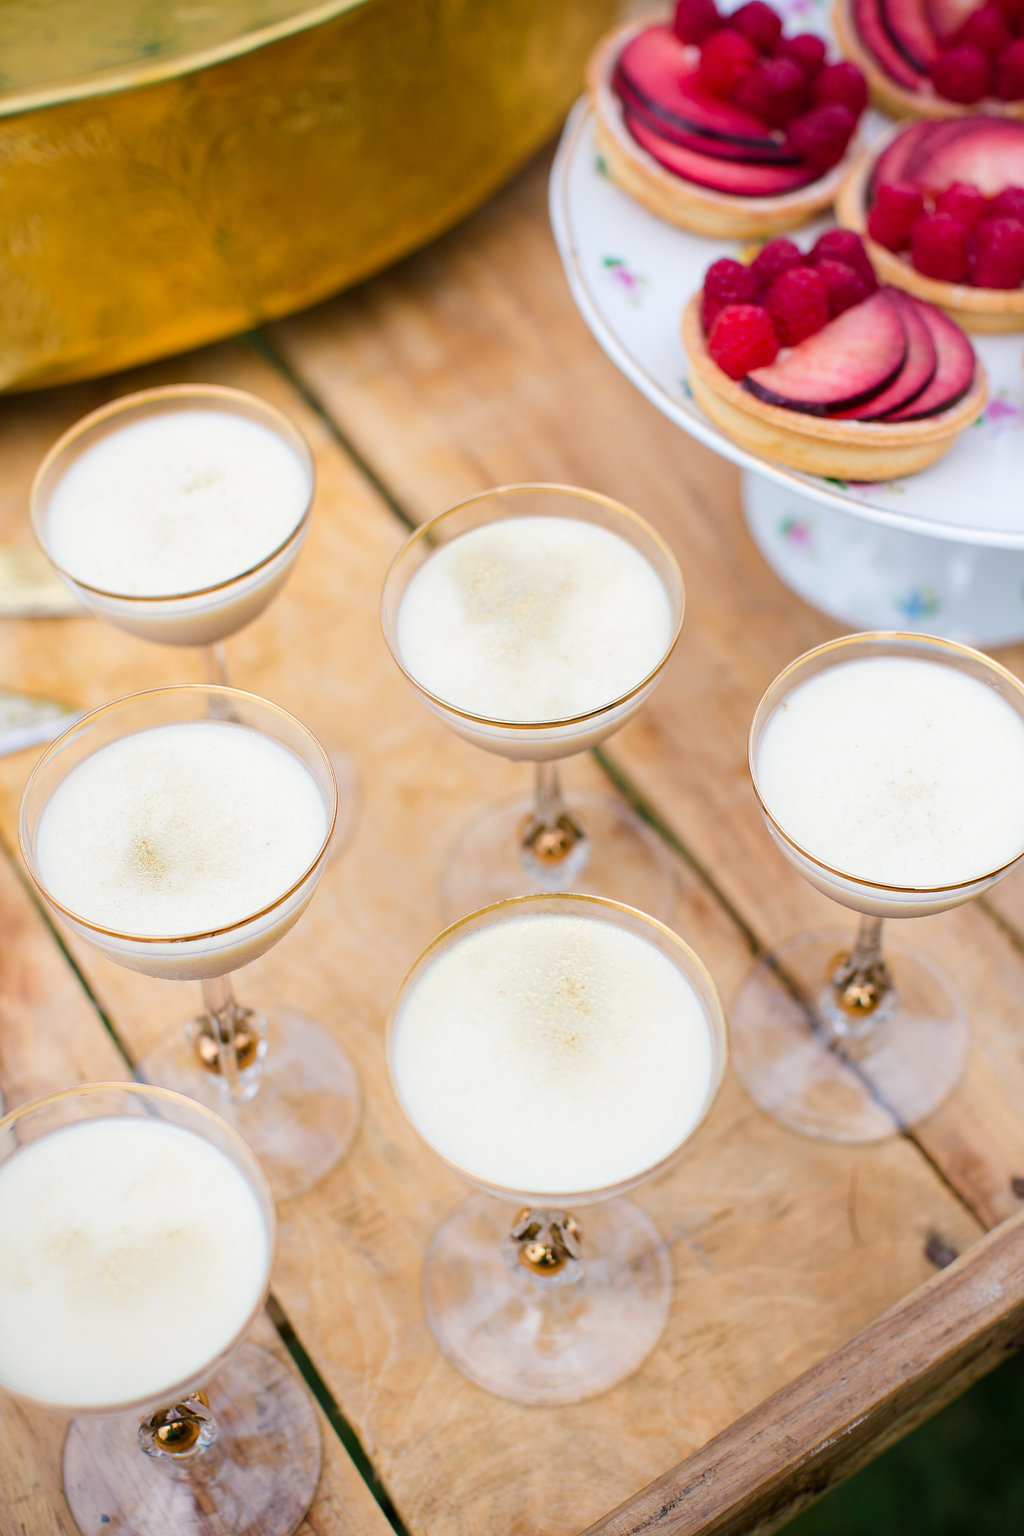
(229, 1040)
(553, 846)
(177, 1433)
(547, 1245)
(215, 664)
(860, 981)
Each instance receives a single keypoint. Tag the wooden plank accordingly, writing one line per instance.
(834, 1418)
(770, 1236)
(476, 348)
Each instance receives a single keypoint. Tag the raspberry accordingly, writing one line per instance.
(843, 83)
(805, 49)
(897, 205)
(1007, 204)
(726, 282)
(845, 245)
(798, 304)
(694, 20)
(963, 200)
(997, 254)
(775, 257)
(820, 136)
(961, 74)
(844, 286)
(758, 22)
(774, 91)
(724, 60)
(742, 338)
(1009, 71)
(984, 28)
(938, 247)
(1012, 12)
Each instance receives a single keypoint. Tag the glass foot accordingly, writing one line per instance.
(625, 860)
(348, 801)
(303, 1117)
(259, 1476)
(534, 1340)
(910, 1057)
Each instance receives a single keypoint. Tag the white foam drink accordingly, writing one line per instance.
(172, 504)
(184, 829)
(534, 619)
(551, 1053)
(897, 770)
(133, 1254)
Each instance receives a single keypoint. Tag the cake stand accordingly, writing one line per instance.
(941, 551)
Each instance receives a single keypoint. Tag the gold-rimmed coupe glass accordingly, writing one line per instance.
(126, 1308)
(524, 1296)
(206, 615)
(838, 1040)
(592, 843)
(279, 1078)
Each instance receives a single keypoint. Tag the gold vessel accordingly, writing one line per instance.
(171, 173)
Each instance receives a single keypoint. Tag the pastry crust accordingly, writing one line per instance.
(673, 198)
(984, 310)
(822, 445)
(894, 98)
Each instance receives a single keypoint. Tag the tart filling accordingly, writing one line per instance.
(723, 124)
(807, 359)
(942, 208)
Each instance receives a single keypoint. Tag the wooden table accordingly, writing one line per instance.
(811, 1321)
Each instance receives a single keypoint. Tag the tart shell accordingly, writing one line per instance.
(983, 310)
(822, 445)
(682, 202)
(894, 98)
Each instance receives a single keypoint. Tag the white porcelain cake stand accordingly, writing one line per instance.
(942, 551)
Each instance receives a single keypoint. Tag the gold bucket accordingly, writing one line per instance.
(174, 173)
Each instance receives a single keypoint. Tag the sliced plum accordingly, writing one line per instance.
(740, 178)
(867, 18)
(954, 370)
(661, 72)
(890, 167)
(911, 32)
(672, 128)
(987, 152)
(948, 16)
(917, 372)
(849, 361)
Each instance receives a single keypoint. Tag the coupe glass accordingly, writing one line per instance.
(207, 616)
(595, 844)
(280, 1079)
(525, 1298)
(837, 1040)
(233, 1444)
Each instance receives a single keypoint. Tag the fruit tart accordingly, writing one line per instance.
(805, 359)
(722, 124)
(937, 58)
(941, 205)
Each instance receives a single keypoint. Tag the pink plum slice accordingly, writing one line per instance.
(946, 16)
(917, 372)
(661, 72)
(954, 372)
(988, 152)
(850, 360)
(891, 165)
(734, 177)
(671, 128)
(867, 19)
(910, 31)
